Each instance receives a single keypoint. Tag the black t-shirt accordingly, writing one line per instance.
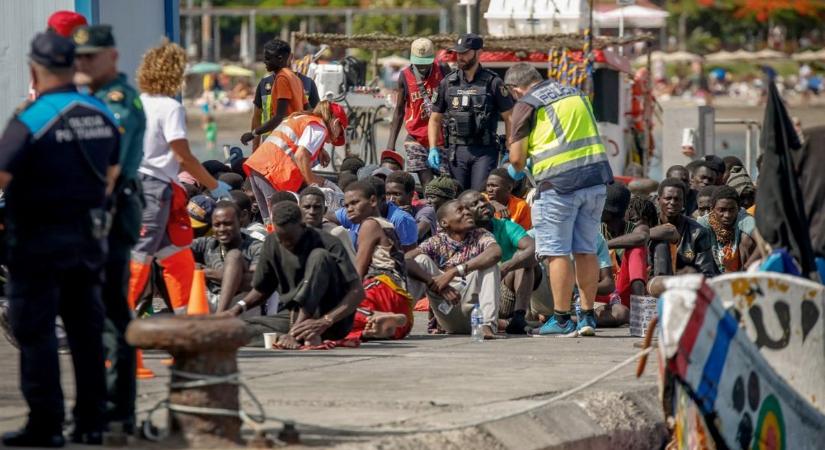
(264, 88)
(282, 270)
(208, 251)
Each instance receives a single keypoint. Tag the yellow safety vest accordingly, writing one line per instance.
(565, 145)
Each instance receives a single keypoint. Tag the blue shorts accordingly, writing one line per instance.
(568, 223)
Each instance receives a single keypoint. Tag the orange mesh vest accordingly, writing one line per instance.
(274, 158)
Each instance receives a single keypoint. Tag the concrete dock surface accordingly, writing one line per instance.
(424, 384)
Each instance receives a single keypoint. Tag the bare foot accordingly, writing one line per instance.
(487, 331)
(314, 341)
(383, 325)
(287, 342)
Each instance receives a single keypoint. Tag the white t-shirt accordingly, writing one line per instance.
(313, 138)
(165, 122)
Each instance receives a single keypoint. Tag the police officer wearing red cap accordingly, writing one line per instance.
(468, 104)
(62, 151)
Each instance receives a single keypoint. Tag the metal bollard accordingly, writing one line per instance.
(204, 375)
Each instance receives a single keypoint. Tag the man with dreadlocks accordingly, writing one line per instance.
(731, 245)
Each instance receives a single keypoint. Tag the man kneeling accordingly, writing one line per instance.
(228, 259)
(457, 269)
(313, 276)
(386, 311)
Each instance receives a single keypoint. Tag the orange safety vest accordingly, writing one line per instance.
(274, 158)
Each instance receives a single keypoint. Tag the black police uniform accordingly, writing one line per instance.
(472, 110)
(58, 150)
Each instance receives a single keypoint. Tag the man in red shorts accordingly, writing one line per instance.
(627, 242)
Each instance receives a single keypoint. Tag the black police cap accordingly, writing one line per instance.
(92, 39)
(467, 42)
(51, 50)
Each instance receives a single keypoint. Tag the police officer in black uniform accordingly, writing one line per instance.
(58, 163)
(468, 105)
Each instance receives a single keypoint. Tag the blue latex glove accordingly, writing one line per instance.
(222, 191)
(516, 175)
(529, 164)
(434, 158)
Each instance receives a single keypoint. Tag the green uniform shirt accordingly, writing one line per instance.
(124, 102)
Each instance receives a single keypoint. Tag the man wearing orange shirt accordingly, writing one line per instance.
(277, 96)
(507, 205)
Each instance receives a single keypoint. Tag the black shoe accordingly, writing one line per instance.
(517, 325)
(88, 437)
(27, 438)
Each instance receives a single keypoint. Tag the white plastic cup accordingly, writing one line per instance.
(269, 340)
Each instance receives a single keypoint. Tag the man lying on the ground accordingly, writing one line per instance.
(228, 257)
(400, 190)
(691, 251)
(314, 277)
(313, 205)
(386, 310)
(500, 193)
(403, 222)
(518, 255)
(627, 243)
(460, 270)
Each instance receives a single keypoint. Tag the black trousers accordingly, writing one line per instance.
(36, 296)
(121, 385)
(472, 165)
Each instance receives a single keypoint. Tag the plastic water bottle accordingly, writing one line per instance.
(475, 325)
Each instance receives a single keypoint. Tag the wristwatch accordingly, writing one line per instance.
(461, 269)
(242, 304)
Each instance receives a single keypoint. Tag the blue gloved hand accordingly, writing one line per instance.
(529, 164)
(516, 175)
(434, 158)
(222, 191)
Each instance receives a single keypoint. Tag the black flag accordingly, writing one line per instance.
(780, 210)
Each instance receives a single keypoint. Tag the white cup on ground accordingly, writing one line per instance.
(269, 340)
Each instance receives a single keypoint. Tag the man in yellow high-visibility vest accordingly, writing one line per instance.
(554, 126)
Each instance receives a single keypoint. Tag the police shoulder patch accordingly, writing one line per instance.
(115, 96)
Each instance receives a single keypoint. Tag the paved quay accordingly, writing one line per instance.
(426, 383)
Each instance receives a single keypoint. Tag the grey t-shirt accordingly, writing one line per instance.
(208, 251)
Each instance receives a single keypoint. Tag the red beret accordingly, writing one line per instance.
(64, 22)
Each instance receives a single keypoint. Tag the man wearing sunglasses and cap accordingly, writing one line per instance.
(469, 103)
(417, 86)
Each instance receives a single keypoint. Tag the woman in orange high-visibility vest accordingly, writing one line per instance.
(283, 162)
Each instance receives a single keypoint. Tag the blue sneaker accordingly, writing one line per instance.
(586, 325)
(553, 327)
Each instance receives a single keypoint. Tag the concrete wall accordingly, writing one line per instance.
(20, 20)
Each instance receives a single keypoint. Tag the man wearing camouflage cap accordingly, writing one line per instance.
(96, 62)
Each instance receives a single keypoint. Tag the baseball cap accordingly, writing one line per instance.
(340, 114)
(422, 51)
(467, 42)
(51, 50)
(382, 172)
(393, 155)
(366, 171)
(92, 39)
(200, 209)
(65, 22)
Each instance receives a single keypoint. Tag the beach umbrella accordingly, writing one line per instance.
(237, 71)
(780, 214)
(769, 54)
(807, 55)
(205, 67)
(743, 55)
(720, 56)
(394, 60)
(682, 56)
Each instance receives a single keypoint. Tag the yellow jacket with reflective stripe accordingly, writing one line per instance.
(564, 144)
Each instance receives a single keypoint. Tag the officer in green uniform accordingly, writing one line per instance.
(96, 61)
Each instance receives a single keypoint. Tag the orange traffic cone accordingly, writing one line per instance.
(143, 372)
(198, 304)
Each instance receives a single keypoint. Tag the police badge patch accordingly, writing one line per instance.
(455, 102)
(115, 96)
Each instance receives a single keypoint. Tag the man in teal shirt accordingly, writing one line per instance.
(518, 260)
(96, 61)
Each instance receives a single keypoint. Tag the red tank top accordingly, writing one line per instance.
(416, 114)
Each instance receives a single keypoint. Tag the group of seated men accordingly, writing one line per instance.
(351, 262)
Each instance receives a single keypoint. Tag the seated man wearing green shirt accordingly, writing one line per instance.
(518, 250)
